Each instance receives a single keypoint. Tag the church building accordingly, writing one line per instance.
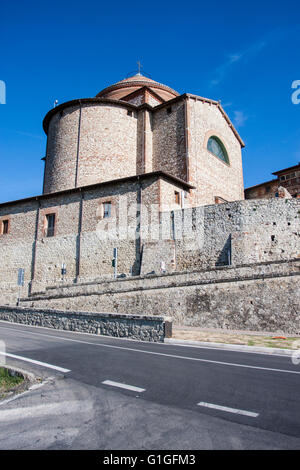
(141, 181)
(138, 126)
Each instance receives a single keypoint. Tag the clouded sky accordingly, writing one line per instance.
(245, 54)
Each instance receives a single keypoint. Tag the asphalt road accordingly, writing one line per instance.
(175, 397)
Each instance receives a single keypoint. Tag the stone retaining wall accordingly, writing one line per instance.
(261, 297)
(139, 327)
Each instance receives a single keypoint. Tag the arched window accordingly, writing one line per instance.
(215, 146)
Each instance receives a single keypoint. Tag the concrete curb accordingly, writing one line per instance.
(231, 347)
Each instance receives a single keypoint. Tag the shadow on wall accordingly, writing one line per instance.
(224, 258)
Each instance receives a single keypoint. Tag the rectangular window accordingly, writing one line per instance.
(50, 218)
(106, 210)
(4, 228)
(177, 197)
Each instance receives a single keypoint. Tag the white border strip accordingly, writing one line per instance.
(32, 361)
(120, 385)
(228, 409)
(172, 342)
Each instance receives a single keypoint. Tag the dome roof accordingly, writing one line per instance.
(132, 84)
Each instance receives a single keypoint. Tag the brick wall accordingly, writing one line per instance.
(212, 177)
(169, 153)
(90, 144)
(62, 150)
(102, 141)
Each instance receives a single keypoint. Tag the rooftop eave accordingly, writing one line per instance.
(261, 184)
(143, 176)
(137, 83)
(218, 104)
(280, 172)
(79, 102)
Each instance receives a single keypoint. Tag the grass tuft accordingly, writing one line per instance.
(8, 381)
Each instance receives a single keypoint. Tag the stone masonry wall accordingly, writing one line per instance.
(264, 296)
(236, 233)
(83, 239)
(169, 153)
(145, 328)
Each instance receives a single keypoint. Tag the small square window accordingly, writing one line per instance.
(50, 225)
(106, 210)
(169, 110)
(4, 227)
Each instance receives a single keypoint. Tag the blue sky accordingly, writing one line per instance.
(245, 54)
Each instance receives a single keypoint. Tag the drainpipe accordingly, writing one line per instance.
(187, 137)
(139, 201)
(78, 144)
(173, 225)
(78, 245)
(33, 259)
(45, 166)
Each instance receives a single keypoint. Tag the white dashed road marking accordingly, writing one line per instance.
(120, 385)
(229, 410)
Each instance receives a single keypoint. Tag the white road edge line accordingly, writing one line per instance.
(120, 385)
(26, 359)
(130, 340)
(175, 356)
(228, 409)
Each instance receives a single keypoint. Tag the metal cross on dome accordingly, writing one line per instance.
(138, 72)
